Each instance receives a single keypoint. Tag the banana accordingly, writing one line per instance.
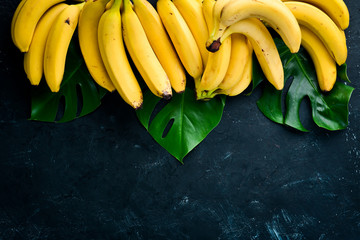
(109, 5)
(161, 44)
(13, 20)
(143, 55)
(264, 48)
(34, 58)
(208, 9)
(114, 56)
(27, 19)
(241, 52)
(322, 25)
(325, 65)
(181, 37)
(215, 69)
(216, 18)
(88, 41)
(57, 44)
(273, 12)
(193, 15)
(243, 83)
(336, 9)
(217, 64)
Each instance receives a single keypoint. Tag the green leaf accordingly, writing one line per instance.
(182, 123)
(342, 72)
(257, 75)
(329, 110)
(79, 95)
(149, 104)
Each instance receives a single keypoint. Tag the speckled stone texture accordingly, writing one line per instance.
(103, 176)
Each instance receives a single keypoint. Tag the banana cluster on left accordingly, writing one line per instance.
(43, 30)
(107, 31)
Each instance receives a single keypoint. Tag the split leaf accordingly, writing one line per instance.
(79, 95)
(329, 110)
(181, 123)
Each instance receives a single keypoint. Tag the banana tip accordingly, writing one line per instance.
(167, 96)
(214, 46)
(138, 107)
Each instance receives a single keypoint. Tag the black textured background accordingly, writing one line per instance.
(104, 177)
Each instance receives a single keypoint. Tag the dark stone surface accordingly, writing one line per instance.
(104, 177)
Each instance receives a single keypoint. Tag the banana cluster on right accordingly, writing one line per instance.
(213, 41)
(316, 25)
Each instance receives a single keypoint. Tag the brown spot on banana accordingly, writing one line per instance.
(138, 107)
(214, 46)
(166, 95)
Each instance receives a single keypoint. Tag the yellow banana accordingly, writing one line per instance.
(143, 55)
(88, 40)
(27, 19)
(264, 48)
(241, 52)
(322, 25)
(243, 83)
(109, 4)
(336, 9)
(57, 44)
(325, 65)
(208, 9)
(274, 13)
(216, 66)
(216, 19)
(215, 69)
(181, 37)
(161, 44)
(13, 20)
(240, 85)
(193, 15)
(34, 58)
(114, 56)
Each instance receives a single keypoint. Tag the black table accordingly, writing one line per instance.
(104, 177)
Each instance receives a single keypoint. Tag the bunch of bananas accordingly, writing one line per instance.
(316, 25)
(213, 41)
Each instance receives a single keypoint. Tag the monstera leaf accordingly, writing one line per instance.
(79, 95)
(329, 110)
(181, 123)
